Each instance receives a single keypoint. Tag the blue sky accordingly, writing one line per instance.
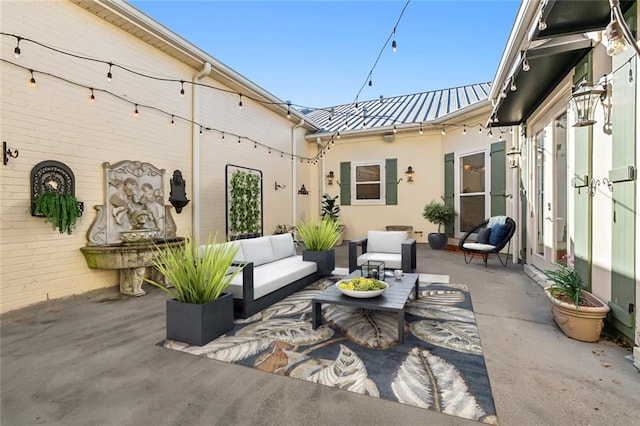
(320, 53)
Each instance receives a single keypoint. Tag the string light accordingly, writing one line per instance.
(172, 121)
(444, 133)
(222, 135)
(238, 140)
(182, 88)
(421, 131)
(16, 50)
(370, 82)
(240, 102)
(513, 84)
(92, 98)
(109, 75)
(480, 129)
(255, 145)
(32, 82)
(503, 94)
(394, 45)
(395, 129)
(542, 24)
(269, 151)
(136, 112)
(525, 63)
(464, 130)
(200, 129)
(490, 134)
(288, 109)
(338, 135)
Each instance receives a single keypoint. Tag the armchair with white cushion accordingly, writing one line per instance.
(394, 248)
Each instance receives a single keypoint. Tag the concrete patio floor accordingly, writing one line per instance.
(94, 359)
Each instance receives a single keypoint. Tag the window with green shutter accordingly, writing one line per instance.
(369, 183)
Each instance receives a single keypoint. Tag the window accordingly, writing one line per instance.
(472, 187)
(368, 182)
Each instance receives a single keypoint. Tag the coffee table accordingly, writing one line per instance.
(392, 300)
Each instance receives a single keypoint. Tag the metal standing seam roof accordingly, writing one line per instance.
(416, 108)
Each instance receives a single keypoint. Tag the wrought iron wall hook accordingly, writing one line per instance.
(8, 153)
(278, 186)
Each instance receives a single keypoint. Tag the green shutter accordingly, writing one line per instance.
(391, 184)
(498, 179)
(582, 167)
(623, 176)
(345, 183)
(449, 191)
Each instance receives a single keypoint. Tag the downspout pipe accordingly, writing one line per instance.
(294, 174)
(195, 154)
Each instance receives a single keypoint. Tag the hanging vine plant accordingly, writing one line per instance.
(244, 213)
(61, 210)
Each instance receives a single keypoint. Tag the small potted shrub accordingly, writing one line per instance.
(199, 310)
(331, 210)
(579, 313)
(319, 237)
(61, 210)
(441, 215)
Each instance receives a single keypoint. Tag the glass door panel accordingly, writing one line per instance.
(560, 228)
(540, 178)
(473, 190)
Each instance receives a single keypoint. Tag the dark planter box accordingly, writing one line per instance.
(326, 260)
(437, 241)
(199, 324)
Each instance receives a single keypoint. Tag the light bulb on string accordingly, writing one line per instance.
(182, 88)
(92, 98)
(109, 75)
(480, 129)
(395, 129)
(421, 131)
(338, 135)
(495, 118)
(525, 63)
(464, 129)
(172, 121)
(513, 85)
(503, 94)
(240, 102)
(542, 24)
(394, 45)
(16, 50)
(370, 82)
(200, 129)
(288, 109)
(281, 154)
(222, 135)
(444, 132)
(490, 134)
(269, 151)
(255, 145)
(239, 140)
(136, 112)
(32, 81)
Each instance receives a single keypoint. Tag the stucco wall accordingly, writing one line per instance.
(55, 121)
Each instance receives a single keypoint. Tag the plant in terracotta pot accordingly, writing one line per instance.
(319, 237)
(199, 310)
(579, 313)
(439, 214)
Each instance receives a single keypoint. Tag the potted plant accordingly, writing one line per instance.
(199, 310)
(579, 313)
(319, 237)
(439, 214)
(330, 209)
(61, 210)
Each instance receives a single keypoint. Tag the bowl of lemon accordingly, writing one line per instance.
(362, 287)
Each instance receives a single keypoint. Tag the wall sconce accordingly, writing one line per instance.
(178, 193)
(584, 100)
(7, 153)
(409, 174)
(278, 186)
(330, 177)
(303, 190)
(513, 157)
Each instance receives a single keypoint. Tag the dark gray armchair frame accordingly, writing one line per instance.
(506, 241)
(408, 253)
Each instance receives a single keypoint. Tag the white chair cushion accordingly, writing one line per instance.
(257, 250)
(272, 276)
(478, 246)
(282, 246)
(386, 241)
(391, 260)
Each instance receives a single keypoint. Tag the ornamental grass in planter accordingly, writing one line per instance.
(319, 237)
(579, 313)
(199, 310)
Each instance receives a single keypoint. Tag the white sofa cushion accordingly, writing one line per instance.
(274, 275)
(239, 257)
(386, 241)
(282, 245)
(391, 260)
(257, 250)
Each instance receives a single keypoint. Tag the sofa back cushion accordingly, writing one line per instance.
(386, 241)
(257, 250)
(282, 245)
(239, 257)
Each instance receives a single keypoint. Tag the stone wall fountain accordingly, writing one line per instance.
(131, 225)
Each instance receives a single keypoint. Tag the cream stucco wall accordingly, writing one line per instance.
(55, 121)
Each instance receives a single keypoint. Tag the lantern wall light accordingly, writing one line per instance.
(513, 157)
(330, 178)
(409, 174)
(584, 100)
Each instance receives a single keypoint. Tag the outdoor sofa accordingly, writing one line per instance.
(272, 271)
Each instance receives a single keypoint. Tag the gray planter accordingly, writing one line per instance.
(437, 241)
(326, 260)
(199, 324)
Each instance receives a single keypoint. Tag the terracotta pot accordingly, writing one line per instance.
(584, 323)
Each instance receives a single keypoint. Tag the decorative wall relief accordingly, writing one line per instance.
(133, 209)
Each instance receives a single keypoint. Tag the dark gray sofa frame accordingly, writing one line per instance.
(408, 253)
(246, 307)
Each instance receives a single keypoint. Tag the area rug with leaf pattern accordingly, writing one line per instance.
(439, 366)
